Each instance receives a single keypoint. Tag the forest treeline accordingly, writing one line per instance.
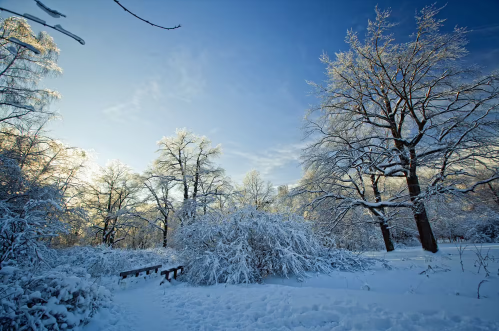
(403, 149)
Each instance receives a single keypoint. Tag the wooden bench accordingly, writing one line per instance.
(174, 270)
(124, 274)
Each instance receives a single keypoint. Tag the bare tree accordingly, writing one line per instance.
(161, 192)
(188, 158)
(343, 167)
(110, 199)
(255, 191)
(214, 187)
(424, 107)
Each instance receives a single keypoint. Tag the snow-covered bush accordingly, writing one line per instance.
(105, 261)
(247, 245)
(483, 230)
(59, 299)
(28, 212)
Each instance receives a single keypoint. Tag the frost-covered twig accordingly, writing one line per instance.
(42, 22)
(52, 12)
(25, 45)
(482, 261)
(461, 251)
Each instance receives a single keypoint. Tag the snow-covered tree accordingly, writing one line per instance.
(342, 168)
(21, 99)
(425, 107)
(189, 159)
(29, 212)
(111, 199)
(255, 191)
(161, 191)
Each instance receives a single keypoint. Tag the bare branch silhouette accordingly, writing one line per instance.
(159, 26)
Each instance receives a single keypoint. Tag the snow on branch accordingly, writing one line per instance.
(42, 22)
(23, 44)
(51, 12)
(67, 33)
(158, 26)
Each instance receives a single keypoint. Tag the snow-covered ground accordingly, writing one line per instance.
(410, 296)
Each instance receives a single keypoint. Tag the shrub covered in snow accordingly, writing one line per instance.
(53, 300)
(483, 231)
(247, 245)
(105, 261)
(28, 212)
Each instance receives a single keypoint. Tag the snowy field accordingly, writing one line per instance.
(421, 291)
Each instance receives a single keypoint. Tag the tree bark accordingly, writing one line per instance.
(424, 228)
(386, 236)
(165, 232)
(382, 222)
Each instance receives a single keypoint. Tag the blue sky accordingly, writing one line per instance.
(236, 71)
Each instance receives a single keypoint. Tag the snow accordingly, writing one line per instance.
(34, 18)
(59, 28)
(401, 298)
(52, 12)
(28, 46)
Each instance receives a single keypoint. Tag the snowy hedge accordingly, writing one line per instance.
(53, 300)
(483, 231)
(248, 245)
(105, 261)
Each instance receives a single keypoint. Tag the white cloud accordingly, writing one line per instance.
(180, 78)
(130, 110)
(269, 161)
(184, 75)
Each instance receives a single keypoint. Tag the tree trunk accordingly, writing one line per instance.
(165, 232)
(386, 236)
(424, 228)
(104, 231)
(382, 224)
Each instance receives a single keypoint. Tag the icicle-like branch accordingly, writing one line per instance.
(161, 27)
(23, 44)
(67, 33)
(42, 22)
(51, 12)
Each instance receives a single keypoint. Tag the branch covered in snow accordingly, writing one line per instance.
(23, 44)
(42, 22)
(52, 12)
(247, 245)
(66, 32)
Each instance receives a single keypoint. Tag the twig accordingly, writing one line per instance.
(461, 251)
(480, 284)
(162, 27)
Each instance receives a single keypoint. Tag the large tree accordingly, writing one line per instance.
(255, 191)
(111, 199)
(188, 158)
(424, 107)
(160, 189)
(342, 173)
